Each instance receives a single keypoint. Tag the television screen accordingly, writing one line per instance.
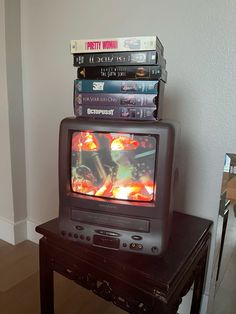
(113, 165)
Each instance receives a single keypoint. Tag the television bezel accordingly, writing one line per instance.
(158, 207)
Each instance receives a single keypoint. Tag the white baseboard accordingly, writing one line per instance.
(7, 231)
(32, 235)
(20, 230)
(16, 232)
(12, 232)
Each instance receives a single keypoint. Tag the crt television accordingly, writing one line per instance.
(116, 183)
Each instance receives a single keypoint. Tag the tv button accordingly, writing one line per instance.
(154, 250)
(100, 231)
(79, 227)
(136, 237)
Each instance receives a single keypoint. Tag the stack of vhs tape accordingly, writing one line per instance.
(119, 78)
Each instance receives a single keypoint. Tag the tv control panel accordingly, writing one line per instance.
(113, 239)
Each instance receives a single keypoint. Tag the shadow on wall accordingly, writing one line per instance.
(173, 109)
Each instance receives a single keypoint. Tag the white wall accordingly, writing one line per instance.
(15, 106)
(199, 41)
(6, 196)
(13, 209)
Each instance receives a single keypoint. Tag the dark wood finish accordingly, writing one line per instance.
(136, 283)
(46, 281)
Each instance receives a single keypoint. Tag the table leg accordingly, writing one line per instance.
(46, 280)
(198, 285)
(166, 308)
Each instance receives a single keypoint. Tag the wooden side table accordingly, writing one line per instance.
(136, 283)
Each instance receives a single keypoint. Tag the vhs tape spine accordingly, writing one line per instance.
(116, 44)
(132, 72)
(119, 58)
(125, 100)
(114, 112)
(111, 86)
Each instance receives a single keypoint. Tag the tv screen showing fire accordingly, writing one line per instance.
(113, 165)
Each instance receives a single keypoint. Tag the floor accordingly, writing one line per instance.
(19, 286)
(19, 282)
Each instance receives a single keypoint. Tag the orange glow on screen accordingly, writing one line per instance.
(85, 141)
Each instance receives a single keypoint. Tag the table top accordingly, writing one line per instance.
(189, 236)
